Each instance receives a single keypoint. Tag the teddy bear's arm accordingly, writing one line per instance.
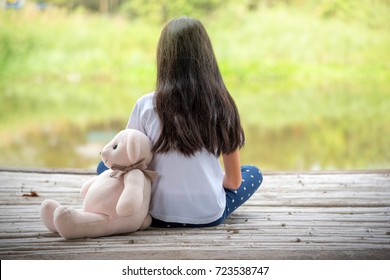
(86, 185)
(131, 198)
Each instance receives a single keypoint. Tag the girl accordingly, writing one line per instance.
(191, 120)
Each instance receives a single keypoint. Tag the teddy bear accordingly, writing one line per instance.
(115, 201)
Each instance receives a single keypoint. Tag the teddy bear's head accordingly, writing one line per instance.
(128, 147)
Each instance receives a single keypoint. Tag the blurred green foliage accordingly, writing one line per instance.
(310, 78)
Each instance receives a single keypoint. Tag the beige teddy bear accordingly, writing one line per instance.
(117, 200)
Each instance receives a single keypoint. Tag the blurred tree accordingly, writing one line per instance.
(104, 6)
(163, 10)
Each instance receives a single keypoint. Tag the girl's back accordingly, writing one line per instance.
(188, 188)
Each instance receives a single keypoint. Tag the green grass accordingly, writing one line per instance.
(294, 64)
(73, 67)
(289, 70)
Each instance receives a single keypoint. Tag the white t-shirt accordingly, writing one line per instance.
(188, 189)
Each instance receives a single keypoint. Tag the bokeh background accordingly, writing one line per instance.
(311, 78)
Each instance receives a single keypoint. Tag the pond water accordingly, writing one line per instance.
(325, 146)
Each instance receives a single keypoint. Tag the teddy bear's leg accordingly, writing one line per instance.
(147, 222)
(72, 223)
(48, 207)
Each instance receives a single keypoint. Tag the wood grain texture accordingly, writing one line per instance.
(322, 215)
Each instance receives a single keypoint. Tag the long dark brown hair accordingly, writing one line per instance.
(193, 104)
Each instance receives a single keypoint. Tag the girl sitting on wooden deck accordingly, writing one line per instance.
(191, 120)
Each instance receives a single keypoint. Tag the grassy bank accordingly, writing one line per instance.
(71, 67)
(289, 70)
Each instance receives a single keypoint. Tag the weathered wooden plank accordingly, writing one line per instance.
(322, 215)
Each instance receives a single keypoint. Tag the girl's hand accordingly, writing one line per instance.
(232, 178)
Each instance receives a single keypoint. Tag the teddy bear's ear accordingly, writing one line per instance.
(133, 147)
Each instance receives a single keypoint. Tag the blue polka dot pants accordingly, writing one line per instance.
(251, 181)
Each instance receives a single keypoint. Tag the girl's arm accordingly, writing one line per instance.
(232, 179)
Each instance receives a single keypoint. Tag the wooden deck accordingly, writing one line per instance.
(325, 215)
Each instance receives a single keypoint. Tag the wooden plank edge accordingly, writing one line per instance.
(43, 170)
(89, 171)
